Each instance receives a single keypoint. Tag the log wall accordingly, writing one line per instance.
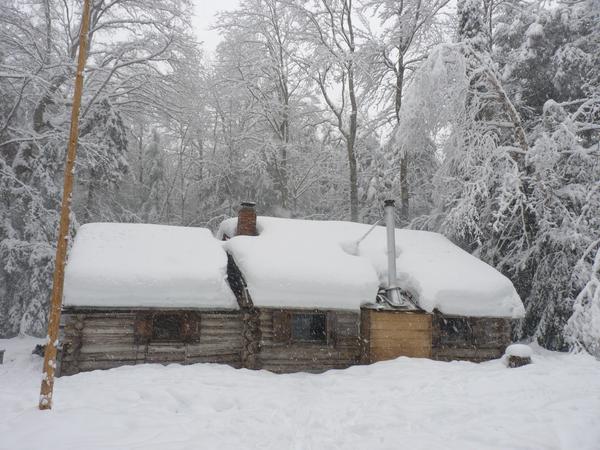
(103, 339)
(469, 338)
(279, 354)
(95, 339)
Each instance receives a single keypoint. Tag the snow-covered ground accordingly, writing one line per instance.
(553, 403)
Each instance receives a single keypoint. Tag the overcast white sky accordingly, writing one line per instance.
(205, 16)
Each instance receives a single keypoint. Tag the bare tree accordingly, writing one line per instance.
(332, 62)
(409, 29)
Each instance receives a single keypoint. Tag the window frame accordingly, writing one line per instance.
(189, 327)
(162, 319)
(299, 340)
(456, 331)
(283, 323)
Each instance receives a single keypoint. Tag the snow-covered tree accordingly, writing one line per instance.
(583, 327)
(131, 44)
(405, 34)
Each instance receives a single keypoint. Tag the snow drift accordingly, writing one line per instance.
(409, 403)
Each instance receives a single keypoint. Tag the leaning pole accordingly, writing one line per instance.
(63, 230)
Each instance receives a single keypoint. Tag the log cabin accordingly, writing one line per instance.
(283, 295)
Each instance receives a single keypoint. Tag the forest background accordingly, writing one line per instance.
(481, 117)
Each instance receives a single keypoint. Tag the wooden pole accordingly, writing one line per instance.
(63, 231)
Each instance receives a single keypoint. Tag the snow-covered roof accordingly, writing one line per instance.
(292, 264)
(137, 265)
(316, 264)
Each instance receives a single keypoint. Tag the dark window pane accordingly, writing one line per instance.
(455, 330)
(309, 327)
(166, 327)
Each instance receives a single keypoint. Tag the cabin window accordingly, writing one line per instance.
(309, 327)
(167, 327)
(456, 331)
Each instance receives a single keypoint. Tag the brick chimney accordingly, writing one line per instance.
(246, 225)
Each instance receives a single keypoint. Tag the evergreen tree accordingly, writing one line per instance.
(154, 186)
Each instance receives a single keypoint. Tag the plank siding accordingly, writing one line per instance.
(388, 334)
(101, 339)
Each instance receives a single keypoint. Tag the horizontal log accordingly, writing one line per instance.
(302, 365)
(467, 353)
(229, 337)
(104, 364)
(106, 319)
(226, 333)
(106, 339)
(107, 356)
(347, 341)
(217, 319)
(119, 340)
(166, 346)
(105, 316)
(106, 348)
(163, 358)
(233, 358)
(294, 354)
(232, 338)
(278, 368)
(220, 317)
(88, 331)
(220, 330)
(213, 348)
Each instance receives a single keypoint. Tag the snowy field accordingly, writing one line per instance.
(407, 403)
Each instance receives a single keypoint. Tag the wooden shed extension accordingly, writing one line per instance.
(388, 334)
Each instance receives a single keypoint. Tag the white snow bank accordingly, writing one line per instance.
(137, 265)
(519, 350)
(302, 263)
(408, 403)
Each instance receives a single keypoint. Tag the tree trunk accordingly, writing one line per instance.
(91, 198)
(352, 132)
(353, 181)
(399, 85)
(405, 199)
(283, 169)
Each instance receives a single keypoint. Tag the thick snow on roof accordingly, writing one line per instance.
(304, 263)
(137, 265)
(291, 265)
